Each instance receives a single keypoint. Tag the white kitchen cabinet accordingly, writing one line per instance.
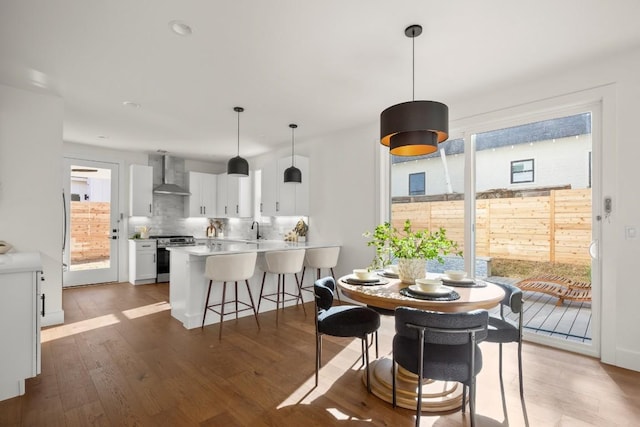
(284, 199)
(142, 261)
(203, 199)
(140, 190)
(234, 196)
(21, 308)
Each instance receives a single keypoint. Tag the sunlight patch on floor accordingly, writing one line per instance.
(146, 310)
(62, 331)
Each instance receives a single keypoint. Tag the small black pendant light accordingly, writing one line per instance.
(414, 128)
(238, 166)
(292, 174)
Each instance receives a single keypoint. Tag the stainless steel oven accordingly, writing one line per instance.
(163, 258)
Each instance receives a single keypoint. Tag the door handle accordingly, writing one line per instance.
(593, 249)
(42, 297)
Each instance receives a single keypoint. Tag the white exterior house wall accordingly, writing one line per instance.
(563, 161)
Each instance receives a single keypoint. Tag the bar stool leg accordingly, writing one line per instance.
(206, 304)
(224, 292)
(236, 290)
(255, 313)
(278, 298)
(264, 275)
(334, 278)
(300, 293)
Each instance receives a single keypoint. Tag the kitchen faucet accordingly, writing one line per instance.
(257, 224)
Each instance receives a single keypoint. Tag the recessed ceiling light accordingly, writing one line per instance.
(180, 28)
(131, 104)
(103, 137)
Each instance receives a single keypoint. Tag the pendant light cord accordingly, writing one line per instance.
(238, 133)
(292, 131)
(413, 66)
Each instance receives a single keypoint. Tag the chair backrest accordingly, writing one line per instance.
(512, 297)
(324, 290)
(322, 257)
(284, 262)
(448, 325)
(230, 267)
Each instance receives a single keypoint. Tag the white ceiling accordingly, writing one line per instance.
(325, 65)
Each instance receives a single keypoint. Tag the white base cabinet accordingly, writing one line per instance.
(142, 261)
(21, 308)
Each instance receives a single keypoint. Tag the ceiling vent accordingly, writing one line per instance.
(168, 187)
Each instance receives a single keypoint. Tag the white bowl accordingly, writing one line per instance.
(456, 274)
(364, 274)
(4, 247)
(428, 285)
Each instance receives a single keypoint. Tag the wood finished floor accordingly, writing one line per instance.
(121, 359)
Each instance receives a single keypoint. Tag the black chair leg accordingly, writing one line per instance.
(472, 401)
(366, 356)
(464, 398)
(318, 355)
(520, 370)
(206, 304)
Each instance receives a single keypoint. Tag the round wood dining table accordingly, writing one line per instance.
(438, 396)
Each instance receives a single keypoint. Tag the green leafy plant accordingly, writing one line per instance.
(391, 243)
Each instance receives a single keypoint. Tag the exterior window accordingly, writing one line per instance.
(521, 171)
(416, 184)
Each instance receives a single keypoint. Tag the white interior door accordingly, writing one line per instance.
(90, 251)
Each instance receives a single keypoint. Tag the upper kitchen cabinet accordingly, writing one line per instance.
(234, 196)
(140, 190)
(202, 201)
(284, 199)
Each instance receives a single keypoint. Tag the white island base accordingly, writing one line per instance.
(188, 286)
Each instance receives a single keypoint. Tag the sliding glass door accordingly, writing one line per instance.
(518, 200)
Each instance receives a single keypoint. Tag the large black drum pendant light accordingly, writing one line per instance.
(414, 128)
(238, 166)
(292, 174)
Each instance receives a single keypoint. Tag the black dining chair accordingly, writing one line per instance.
(502, 330)
(440, 346)
(342, 321)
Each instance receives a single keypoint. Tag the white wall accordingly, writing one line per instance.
(31, 184)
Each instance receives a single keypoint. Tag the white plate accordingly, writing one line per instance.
(466, 280)
(442, 290)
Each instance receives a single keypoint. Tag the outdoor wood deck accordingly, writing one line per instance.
(570, 321)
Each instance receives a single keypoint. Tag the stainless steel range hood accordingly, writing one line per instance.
(169, 187)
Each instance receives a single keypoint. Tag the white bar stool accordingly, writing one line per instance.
(320, 258)
(282, 263)
(230, 268)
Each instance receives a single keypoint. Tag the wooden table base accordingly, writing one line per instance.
(437, 396)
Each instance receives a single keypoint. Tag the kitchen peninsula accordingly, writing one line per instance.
(188, 286)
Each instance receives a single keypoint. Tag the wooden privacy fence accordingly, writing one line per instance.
(89, 231)
(554, 228)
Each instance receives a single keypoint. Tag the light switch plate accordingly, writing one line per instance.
(630, 233)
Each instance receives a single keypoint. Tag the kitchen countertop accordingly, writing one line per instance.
(229, 246)
(18, 262)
